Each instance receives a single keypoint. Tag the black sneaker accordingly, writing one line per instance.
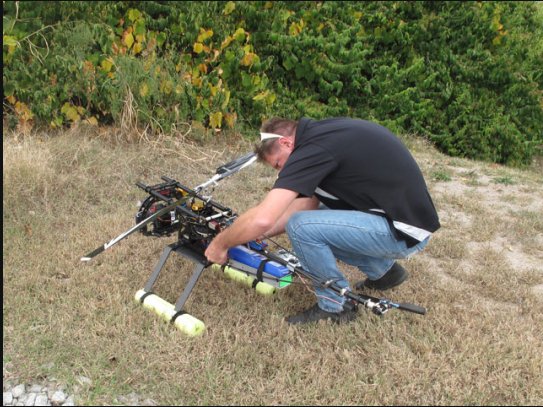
(315, 314)
(392, 278)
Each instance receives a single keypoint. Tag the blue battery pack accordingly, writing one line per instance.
(252, 259)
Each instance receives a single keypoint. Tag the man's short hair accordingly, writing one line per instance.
(275, 125)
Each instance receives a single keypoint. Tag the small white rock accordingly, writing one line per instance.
(70, 401)
(41, 400)
(18, 390)
(58, 398)
(7, 398)
(30, 399)
(35, 388)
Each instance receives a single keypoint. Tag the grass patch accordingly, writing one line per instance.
(441, 175)
(480, 342)
(505, 180)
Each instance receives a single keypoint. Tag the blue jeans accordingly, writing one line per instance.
(360, 239)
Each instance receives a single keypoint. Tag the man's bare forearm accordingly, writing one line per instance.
(251, 225)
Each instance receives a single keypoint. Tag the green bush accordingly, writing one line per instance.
(465, 75)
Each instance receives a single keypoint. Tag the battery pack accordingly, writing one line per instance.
(247, 260)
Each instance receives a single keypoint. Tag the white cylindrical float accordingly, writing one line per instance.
(247, 280)
(185, 323)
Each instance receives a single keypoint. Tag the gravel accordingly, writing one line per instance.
(47, 394)
(51, 393)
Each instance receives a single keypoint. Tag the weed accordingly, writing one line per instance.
(441, 175)
(505, 180)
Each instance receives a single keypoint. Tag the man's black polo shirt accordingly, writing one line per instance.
(360, 165)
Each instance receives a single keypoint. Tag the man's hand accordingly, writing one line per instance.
(250, 225)
(216, 253)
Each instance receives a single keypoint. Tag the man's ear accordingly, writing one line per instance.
(287, 142)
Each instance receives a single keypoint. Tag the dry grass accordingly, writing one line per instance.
(480, 278)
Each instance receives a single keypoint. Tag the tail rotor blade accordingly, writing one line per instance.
(417, 309)
(94, 253)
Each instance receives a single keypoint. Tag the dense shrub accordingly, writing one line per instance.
(466, 75)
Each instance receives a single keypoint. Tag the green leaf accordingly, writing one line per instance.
(9, 89)
(230, 6)
(128, 39)
(246, 80)
(215, 120)
(94, 58)
(133, 14)
(261, 95)
(289, 63)
(161, 37)
(199, 115)
(70, 112)
(107, 64)
(139, 27)
(226, 99)
(10, 41)
(198, 47)
(239, 35)
(144, 89)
